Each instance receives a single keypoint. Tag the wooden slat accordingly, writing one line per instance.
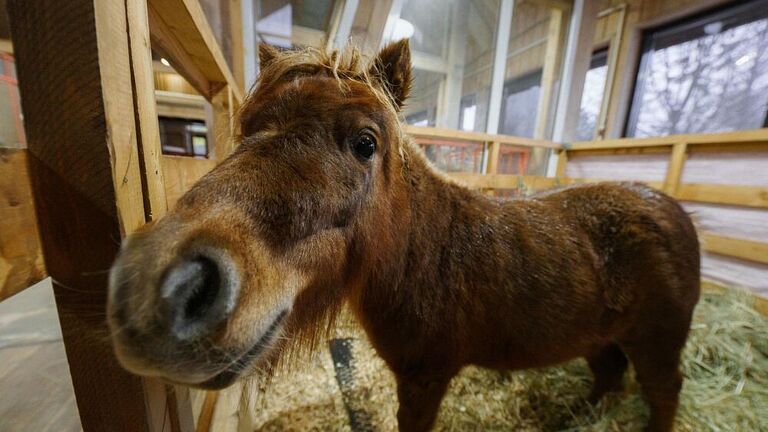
(733, 247)
(181, 173)
(181, 30)
(146, 110)
(170, 104)
(562, 161)
(755, 136)
(494, 148)
(748, 196)
(479, 137)
(21, 258)
(73, 63)
(504, 181)
(237, 38)
(221, 124)
(205, 420)
(675, 168)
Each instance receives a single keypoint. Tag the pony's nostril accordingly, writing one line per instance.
(202, 288)
(199, 296)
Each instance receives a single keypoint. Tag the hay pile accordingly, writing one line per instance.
(726, 387)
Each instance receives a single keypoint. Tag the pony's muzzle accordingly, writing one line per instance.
(198, 294)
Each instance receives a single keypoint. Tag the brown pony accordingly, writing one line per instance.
(327, 201)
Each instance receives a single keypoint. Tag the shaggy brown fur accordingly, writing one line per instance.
(439, 276)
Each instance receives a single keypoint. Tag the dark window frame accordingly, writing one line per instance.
(647, 46)
(516, 85)
(188, 150)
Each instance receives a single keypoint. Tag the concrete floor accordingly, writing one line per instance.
(35, 386)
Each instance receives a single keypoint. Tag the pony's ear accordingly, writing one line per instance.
(267, 53)
(392, 68)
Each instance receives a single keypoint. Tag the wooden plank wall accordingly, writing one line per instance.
(21, 258)
(181, 173)
(744, 252)
(78, 105)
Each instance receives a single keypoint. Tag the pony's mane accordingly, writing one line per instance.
(348, 64)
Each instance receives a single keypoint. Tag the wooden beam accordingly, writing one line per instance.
(494, 148)
(733, 247)
(479, 137)
(562, 161)
(549, 72)
(165, 42)
(221, 126)
(736, 139)
(150, 150)
(179, 28)
(675, 168)
(748, 196)
(73, 62)
(237, 38)
(205, 421)
(181, 173)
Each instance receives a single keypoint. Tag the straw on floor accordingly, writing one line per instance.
(725, 365)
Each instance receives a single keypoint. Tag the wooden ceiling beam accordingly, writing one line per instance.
(180, 32)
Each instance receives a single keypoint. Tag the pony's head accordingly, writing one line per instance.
(262, 250)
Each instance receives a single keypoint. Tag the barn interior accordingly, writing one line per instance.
(110, 111)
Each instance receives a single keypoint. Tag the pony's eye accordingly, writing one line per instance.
(364, 146)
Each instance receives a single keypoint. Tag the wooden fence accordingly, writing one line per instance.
(676, 148)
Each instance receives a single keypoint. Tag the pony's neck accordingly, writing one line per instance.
(426, 225)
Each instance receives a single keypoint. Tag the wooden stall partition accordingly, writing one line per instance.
(682, 174)
(98, 174)
(76, 83)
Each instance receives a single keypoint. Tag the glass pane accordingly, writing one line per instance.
(592, 98)
(287, 23)
(703, 76)
(519, 105)
(199, 145)
(454, 39)
(421, 107)
(181, 136)
(431, 21)
(532, 24)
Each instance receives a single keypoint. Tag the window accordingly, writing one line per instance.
(286, 23)
(452, 43)
(183, 137)
(703, 75)
(592, 97)
(536, 27)
(468, 113)
(421, 107)
(519, 104)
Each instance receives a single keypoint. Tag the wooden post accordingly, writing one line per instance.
(83, 88)
(494, 147)
(492, 167)
(221, 123)
(146, 110)
(549, 73)
(562, 160)
(236, 32)
(675, 168)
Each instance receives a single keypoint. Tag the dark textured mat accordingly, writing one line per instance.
(344, 365)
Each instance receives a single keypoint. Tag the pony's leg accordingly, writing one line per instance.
(655, 354)
(608, 365)
(419, 398)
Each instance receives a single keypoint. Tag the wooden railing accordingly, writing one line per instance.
(678, 147)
